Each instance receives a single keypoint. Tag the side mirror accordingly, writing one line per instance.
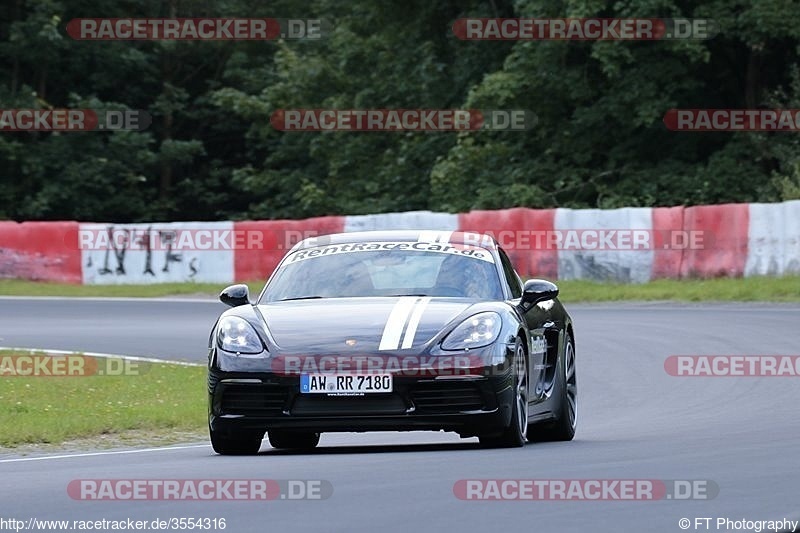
(537, 290)
(235, 295)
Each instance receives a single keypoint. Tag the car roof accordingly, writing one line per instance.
(438, 236)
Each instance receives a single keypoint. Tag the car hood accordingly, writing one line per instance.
(359, 325)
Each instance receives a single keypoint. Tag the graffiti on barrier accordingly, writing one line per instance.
(115, 254)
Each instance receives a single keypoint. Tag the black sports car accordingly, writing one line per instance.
(397, 331)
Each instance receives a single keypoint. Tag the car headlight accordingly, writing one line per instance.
(235, 334)
(476, 331)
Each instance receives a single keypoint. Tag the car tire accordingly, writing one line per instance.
(236, 443)
(300, 440)
(514, 436)
(563, 427)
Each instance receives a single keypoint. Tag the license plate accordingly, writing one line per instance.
(345, 383)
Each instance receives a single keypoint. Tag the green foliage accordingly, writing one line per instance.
(211, 152)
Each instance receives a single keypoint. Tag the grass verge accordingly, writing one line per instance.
(15, 287)
(766, 289)
(159, 399)
(755, 289)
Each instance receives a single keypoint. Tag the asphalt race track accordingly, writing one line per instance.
(635, 422)
(169, 329)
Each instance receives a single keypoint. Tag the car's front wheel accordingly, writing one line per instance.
(301, 440)
(514, 435)
(236, 442)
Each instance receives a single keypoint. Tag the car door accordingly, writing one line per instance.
(537, 319)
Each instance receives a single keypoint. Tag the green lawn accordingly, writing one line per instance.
(783, 289)
(161, 398)
(756, 289)
(14, 287)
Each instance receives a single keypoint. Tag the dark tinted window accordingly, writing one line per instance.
(511, 275)
(338, 271)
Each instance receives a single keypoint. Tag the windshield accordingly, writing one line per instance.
(386, 269)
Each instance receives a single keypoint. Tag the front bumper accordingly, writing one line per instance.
(469, 405)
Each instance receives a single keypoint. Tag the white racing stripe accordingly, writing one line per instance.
(395, 323)
(411, 331)
(441, 237)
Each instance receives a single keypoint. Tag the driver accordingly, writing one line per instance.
(469, 276)
(355, 280)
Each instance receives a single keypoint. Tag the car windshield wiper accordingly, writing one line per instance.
(300, 298)
(410, 294)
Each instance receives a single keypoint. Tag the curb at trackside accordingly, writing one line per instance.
(102, 355)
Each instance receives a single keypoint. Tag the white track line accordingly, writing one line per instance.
(95, 454)
(100, 354)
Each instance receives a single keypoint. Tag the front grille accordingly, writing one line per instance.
(369, 404)
(253, 399)
(445, 397)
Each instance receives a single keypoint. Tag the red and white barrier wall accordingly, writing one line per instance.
(40, 251)
(773, 239)
(733, 240)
